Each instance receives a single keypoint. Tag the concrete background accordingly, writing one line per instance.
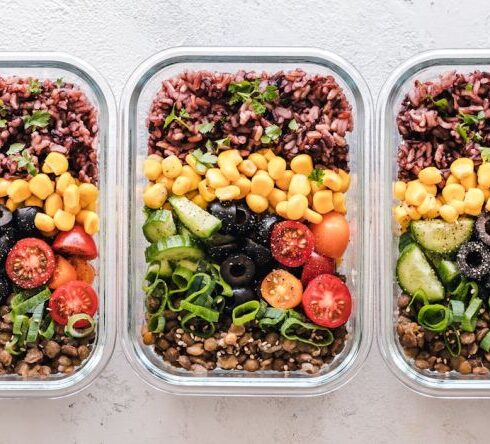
(116, 35)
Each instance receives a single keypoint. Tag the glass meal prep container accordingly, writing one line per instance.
(138, 95)
(423, 67)
(56, 66)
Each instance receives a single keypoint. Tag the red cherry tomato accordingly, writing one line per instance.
(75, 242)
(327, 301)
(73, 298)
(331, 235)
(291, 243)
(63, 272)
(30, 263)
(315, 266)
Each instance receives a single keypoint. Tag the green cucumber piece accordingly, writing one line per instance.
(404, 240)
(415, 273)
(199, 222)
(442, 237)
(173, 248)
(158, 269)
(159, 225)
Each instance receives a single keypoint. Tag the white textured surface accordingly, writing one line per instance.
(115, 35)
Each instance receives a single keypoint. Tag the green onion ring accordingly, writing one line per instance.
(206, 331)
(435, 317)
(457, 308)
(156, 324)
(272, 318)
(46, 329)
(290, 325)
(73, 332)
(34, 323)
(485, 343)
(454, 349)
(245, 312)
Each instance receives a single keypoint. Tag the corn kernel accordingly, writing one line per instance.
(451, 179)
(188, 172)
(257, 203)
(427, 205)
(11, 205)
(71, 197)
(259, 160)
(4, 186)
(415, 194)
(284, 182)
(55, 163)
(181, 186)
(63, 220)
(412, 212)
(431, 189)
(430, 176)
(52, 204)
(339, 203)
(276, 196)
(88, 193)
(282, 208)
(302, 164)
(63, 181)
(91, 206)
(484, 174)
(247, 168)
(261, 184)
(462, 167)
(315, 186)
(167, 182)
(229, 192)
(244, 184)
(206, 192)
(44, 222)
(453, 191)
(469, 181)
(448, 213)
(486, 191)
(216, 179)
(332, 180)
(277, 167)
(345, 177)
(323, 201)
(199, 201)
(473, 201)
(230, 171)
(19, 191)
(156, 195)
(33, 201)
(267, 153)
(299, 185)
(91, 223)
(171, 166)
(399, 190)
(152, 168)
(401, 215)
(297, 206)
(80, 216)
(312, 216)
(41, 186)
(458, 205)
(229, 156)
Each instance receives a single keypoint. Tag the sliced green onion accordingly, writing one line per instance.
(485, 343)
(35, 323)
(21, 324)
(458, 310)
(199, 327)
(469, 318)
(156, 324)
(272, 317)
(203, 312)
(73, 332)
(245, 312)
(46, 329)
(31, 303)
(435, 317)
(297, 330)
(181, 276)
(418, 297)
(10, 346)
(452, 342)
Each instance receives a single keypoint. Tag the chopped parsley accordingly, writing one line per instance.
(15, 148)
(466, 121)
(220, 144)
(248, 91)
(293, 125)
(485, 153)
(24, 159)
(183, 114)
(205, 128)
(34, 87)
(272, 133)
(3, 113)
(317, 175)
(203, 160)
(469, 87)
(59, 82)
(38, 119)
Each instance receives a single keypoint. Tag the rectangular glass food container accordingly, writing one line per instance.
(425, 66)
(138, 95)
(55, 65)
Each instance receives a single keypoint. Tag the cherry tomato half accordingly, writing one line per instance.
(281, 289)
(73, 298)
(315, 266)
(291, 243)
(327, 301)
(331, 235)
(75, 242)
(85, 270)
(30, 263)
(63, 272)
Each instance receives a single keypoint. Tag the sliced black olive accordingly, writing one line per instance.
(24, 222)
(263, 228)
(5, 218)
(238, 270)
(220, 252)
(5, 288)
(474, 260)
(242, 295)
(260, 254)
(7, 241)
(482, 228)
(245, 220)
(226, 212)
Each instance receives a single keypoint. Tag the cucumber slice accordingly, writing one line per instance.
(415, 273)
(442, 237)
(173, 248)
(159, 225)
(158, 269)
(199, 222)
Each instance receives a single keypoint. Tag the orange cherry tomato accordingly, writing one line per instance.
(331, 235)
(281, 289)
(85, 270)
(63, 273)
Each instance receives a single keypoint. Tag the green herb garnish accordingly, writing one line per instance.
(15, 148)
(204, 160)
(293, 125)
(34, 87)
(25, 158)
(248, 91)
(441, 103)
(272, 133)
(3, 123)
(468, 87)
(59, 82)
(3, 113)
(485, 153)
(205, 128)
(183, 114)
(467, 120)
(317, 175)
(39, 119)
